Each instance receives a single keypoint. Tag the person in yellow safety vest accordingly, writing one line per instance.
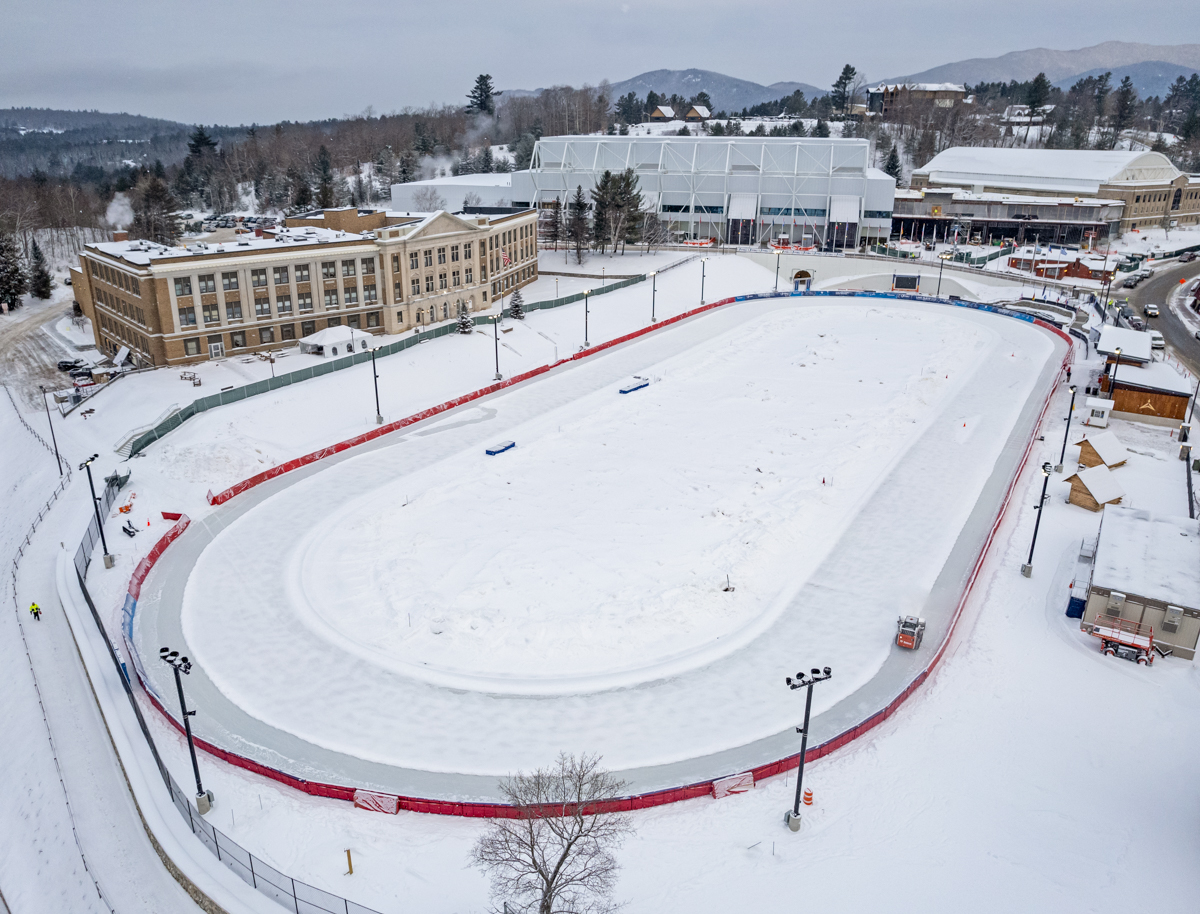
(35, 611)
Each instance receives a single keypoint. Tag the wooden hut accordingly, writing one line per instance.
(1103, 449)
(1094, 488)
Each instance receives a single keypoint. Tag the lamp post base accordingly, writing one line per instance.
(1027, 570)
(378, 420)
(791, 820)
(204, 802)
(1058, 468)
(109, 560)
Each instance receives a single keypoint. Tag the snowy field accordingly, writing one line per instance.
(422, 592)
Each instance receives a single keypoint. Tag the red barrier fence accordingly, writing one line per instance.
(623, 804)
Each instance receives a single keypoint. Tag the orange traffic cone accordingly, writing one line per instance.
(808, 796)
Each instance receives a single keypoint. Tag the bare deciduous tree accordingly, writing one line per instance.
(556, 857)
(428, 200)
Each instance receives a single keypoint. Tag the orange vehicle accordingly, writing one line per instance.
(909, 631)
(1125, 639)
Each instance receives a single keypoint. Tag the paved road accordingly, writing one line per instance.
(28, 354)
(1157, 290)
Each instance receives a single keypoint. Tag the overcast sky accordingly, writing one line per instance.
(261, 61)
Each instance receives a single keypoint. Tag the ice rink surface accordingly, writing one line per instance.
(424, 606)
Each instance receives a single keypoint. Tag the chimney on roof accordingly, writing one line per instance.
(120, 236)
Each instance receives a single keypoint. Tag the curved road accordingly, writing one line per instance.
(1156, 290)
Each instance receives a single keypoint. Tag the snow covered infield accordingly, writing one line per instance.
(827, 455)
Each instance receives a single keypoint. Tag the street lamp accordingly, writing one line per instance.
(375, 375)
(653, 294)
(703, 262)
(496, 335)
(87, 465)
(792, 817)
(204, 798)
(1112, 382)
(586, 293)
(778, 254)
(46, 404)
(1070, 412)
(1027, 568)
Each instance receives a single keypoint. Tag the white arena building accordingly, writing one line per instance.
(738, 190)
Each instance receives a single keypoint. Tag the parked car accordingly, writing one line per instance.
(70, 364)
(1197, 334)
(1131, 282)
(1187, 256)
(1137, 324)
(1157, 341)
(1126, 312)
(67, 282)
(1150, 310)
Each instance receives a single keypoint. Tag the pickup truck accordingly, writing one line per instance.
(1157, 341)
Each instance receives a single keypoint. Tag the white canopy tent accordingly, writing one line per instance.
(335, 341)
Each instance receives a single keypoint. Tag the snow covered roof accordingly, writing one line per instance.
(665, 111)
(1149, 555)
(1098, 403)
(920, 87)
(1068, 170)
(1109, 447)
(701, 110)
(1157, 376)
(1100, 481)
(143, 253)
(331, 336)
(1134, 345)
(483, 179)
(966, 195)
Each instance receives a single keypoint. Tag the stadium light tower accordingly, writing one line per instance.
(792, 817)
(204, 798)
(1067, 433)
(1027, 568)
(87, 465)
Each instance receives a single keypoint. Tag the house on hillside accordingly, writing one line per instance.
(884, 99)
(1147, 570)
(663, 113)
(1094, 488)
(1104, 449)
(1060, 263)
(697, 114)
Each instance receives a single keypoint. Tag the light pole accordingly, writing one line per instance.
(792, 817)
(375, 375)
(46, 404)
(778, 254)
(941, 265)
(1112, 382)
(87, 465)
(1027, 568)
(1066, 434)
(204, 798)
(653, 294)
(703, 263)
(496, 340)
(586, 293)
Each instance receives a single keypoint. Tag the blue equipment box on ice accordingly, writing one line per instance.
(635, 384)
(501, 448)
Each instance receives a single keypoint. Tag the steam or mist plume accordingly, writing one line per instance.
(119, 213)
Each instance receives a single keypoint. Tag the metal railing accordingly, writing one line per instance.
(291, 893)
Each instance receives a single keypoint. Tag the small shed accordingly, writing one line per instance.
(335, 341)
(1098, 412)
(663, 113)
(1147, 570)
(697, 113)
(1103, 449)
(1134, 345)
(1094, 488)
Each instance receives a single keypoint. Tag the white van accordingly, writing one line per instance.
(1157, 341)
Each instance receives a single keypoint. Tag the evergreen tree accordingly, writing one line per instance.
(577, 225)
(39, 275)
(842, 96)
(465, 322)
(13, 281)
(602, 199)
(200, 144)
(482, 97)
(892, 166)
(154, 211)
(1125, 103)
(516, 306)
(1035, 97)
(487, 163)
(324, 179)
(555, 228)
(822, 129)
(302, 197)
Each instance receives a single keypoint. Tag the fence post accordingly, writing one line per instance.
(295, 900)
(253, 877)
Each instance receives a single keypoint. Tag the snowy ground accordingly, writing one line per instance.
(994, 790)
